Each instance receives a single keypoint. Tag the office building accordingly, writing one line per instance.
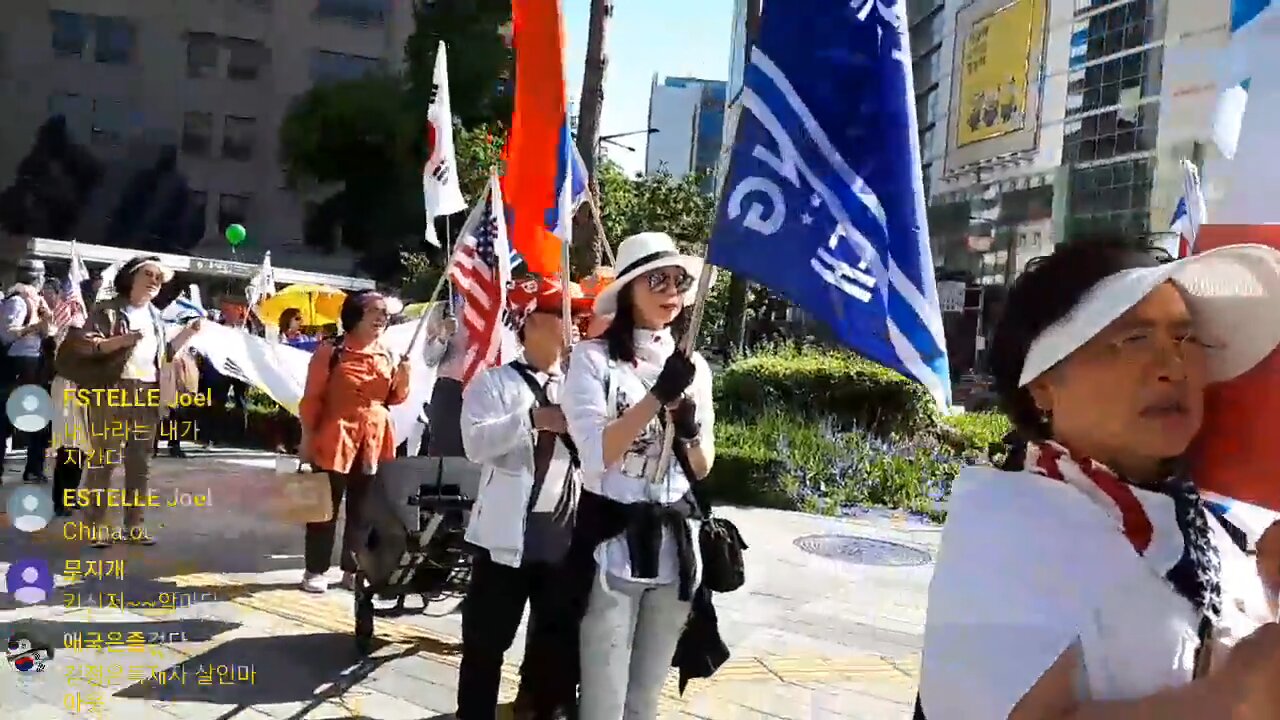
(689, 116)
(180, 102)
(1066, 119)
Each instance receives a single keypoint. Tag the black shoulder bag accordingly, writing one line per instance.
(540, 396)
(723, 567)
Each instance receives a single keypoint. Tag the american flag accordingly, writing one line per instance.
(70, 310)
(480, 270)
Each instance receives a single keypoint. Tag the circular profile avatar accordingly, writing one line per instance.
(26, 652)
(29, 581)
(30, 508)
(30, 409)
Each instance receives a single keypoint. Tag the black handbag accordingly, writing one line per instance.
(723, 567)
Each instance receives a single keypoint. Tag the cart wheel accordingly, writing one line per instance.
(364, 615)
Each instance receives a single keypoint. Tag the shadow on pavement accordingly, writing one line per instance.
(312, 669)
(238, 533)
(78, 635)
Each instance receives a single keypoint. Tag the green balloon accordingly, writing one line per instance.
(235, 234)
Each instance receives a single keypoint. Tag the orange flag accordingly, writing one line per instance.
(539, 132)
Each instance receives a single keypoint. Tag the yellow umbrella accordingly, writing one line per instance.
(413, 311)
(319, 304)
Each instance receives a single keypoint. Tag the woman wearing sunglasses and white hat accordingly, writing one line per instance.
(635, 558)
(1086, 578)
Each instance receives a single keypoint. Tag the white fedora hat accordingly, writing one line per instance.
(1232, 292)
(638, 255)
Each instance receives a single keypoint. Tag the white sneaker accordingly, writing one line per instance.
(314, 583)
(348, 581)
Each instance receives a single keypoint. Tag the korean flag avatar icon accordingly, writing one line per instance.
(28, 653)
(30, 507)
(29, 581)
(29, 408)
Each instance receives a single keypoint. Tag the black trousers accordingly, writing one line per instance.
(24, 371)
(66, 476)
(491, 615)
(445, 415)
(320, 536)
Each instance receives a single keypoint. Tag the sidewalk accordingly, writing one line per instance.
(812, 636)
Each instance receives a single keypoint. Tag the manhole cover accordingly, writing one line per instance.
(863, 551)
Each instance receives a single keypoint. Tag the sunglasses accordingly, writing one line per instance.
(659, 280)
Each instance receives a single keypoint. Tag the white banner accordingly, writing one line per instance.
(280, 370)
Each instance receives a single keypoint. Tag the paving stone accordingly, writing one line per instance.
(807, 633)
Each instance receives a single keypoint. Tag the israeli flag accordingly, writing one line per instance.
(185, 308)
(824, 200)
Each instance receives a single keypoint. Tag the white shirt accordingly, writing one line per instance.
(141, 365)
(1029, 567)
(498, 433)
(19, 311)
(586, 408)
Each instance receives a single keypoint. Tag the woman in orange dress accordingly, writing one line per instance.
(346, 424)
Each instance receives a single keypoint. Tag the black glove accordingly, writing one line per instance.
(684, 418)
(675, 378)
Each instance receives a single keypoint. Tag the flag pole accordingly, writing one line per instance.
(435, 293)
(448, 248)
(705, 278)
(444, 276)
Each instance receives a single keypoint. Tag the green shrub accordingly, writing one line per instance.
(784, 461)
(814, 383)
(978, 430)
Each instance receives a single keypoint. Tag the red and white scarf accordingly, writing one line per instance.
(1100, 484)
(1196, 576)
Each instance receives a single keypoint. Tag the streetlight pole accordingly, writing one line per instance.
(613, 139)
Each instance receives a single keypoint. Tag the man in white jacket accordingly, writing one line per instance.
(523, 517)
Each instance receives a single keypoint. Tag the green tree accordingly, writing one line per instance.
(477, 149)
(658, 203)
(480, 63)
(358, 134)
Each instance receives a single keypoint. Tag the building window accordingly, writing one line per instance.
(197, 133)
(232, 210)
(245, 59)
(70, 33)
(329, 67)
(238, 137)
(360, 12)
(76, 111)
(1111, 197)
(114, 40)
(202, 55)
(110, 119)
(198, 212)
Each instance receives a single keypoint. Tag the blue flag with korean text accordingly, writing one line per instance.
(823, 202)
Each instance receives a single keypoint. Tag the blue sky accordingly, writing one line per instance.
(669, 37)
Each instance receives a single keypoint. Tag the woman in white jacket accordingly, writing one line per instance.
(636, 523)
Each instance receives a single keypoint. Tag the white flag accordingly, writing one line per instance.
(280, 370)
(441, 194)
(108, 288)
(263, 283)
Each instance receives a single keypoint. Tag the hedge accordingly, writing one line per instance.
(840, 386)
(823, 430)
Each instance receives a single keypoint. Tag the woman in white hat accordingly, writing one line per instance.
(124, 345)
(1086, 578)
(635, 556)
